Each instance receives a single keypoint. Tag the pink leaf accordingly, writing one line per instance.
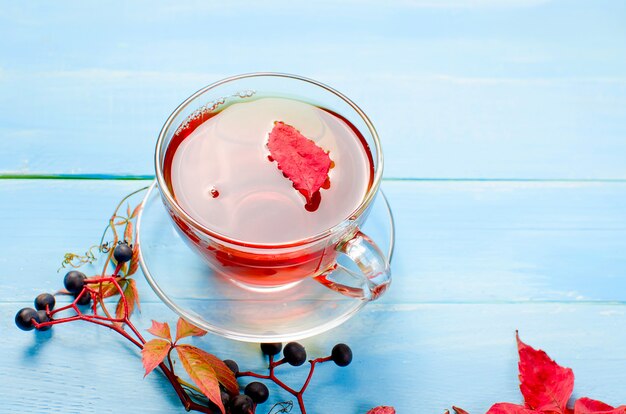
(383, 409)
(299, 158)
(545, 385)
(153, 353)
(184, 329)
(160, 329)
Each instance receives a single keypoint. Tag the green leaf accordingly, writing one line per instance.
(153, 353)
(161, 329)
(224, 375)
(201, 373)
(184, 329)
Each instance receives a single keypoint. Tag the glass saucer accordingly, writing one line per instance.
(191, 289)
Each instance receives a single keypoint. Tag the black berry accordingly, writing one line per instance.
(232, 365)
(43, 317)
(122, 253)
(241, 404)
(294, 354)
(341, 355)
(271, 348)
(74, 281)
(225, 398)
(44, 300)
(24, 319)
(85, 299)
(257, 391)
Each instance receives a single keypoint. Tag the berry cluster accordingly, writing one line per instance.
(74, 281)
(89, 291)
(295, 355)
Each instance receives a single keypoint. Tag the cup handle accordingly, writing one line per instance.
(374, 276)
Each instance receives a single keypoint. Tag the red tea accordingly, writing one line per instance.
(219, 168)
(220, 172)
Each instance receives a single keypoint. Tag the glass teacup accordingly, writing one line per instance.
(270, 266)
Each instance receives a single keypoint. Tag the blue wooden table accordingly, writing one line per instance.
(504, 130)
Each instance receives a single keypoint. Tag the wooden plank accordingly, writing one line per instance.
(455, 90)
(457, 127)
(456, 242)
(427, 358)
(509, 241)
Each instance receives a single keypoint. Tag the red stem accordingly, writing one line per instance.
(308, 378)
(185, 399)
(272, 377)
(253, 374)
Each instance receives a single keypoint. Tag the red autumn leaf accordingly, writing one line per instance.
(184, 329)
(458, 410)
(108, 289)
(588, 406)
(382, 410)
(223, 374)
(135, 211)
(153, 353)
(201, 373)
(508, 408)
(134, 261)
(299, 158)
(161, 329)
(132, 299)
(128, 232)
(545, 385)
(132, 285)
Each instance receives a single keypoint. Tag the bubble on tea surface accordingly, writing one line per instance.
(213, 192)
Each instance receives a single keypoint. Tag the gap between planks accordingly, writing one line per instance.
(123, 177)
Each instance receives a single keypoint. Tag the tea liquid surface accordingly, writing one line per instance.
(221, 175)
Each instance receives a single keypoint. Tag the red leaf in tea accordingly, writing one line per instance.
(300, 160)
(545, 385)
